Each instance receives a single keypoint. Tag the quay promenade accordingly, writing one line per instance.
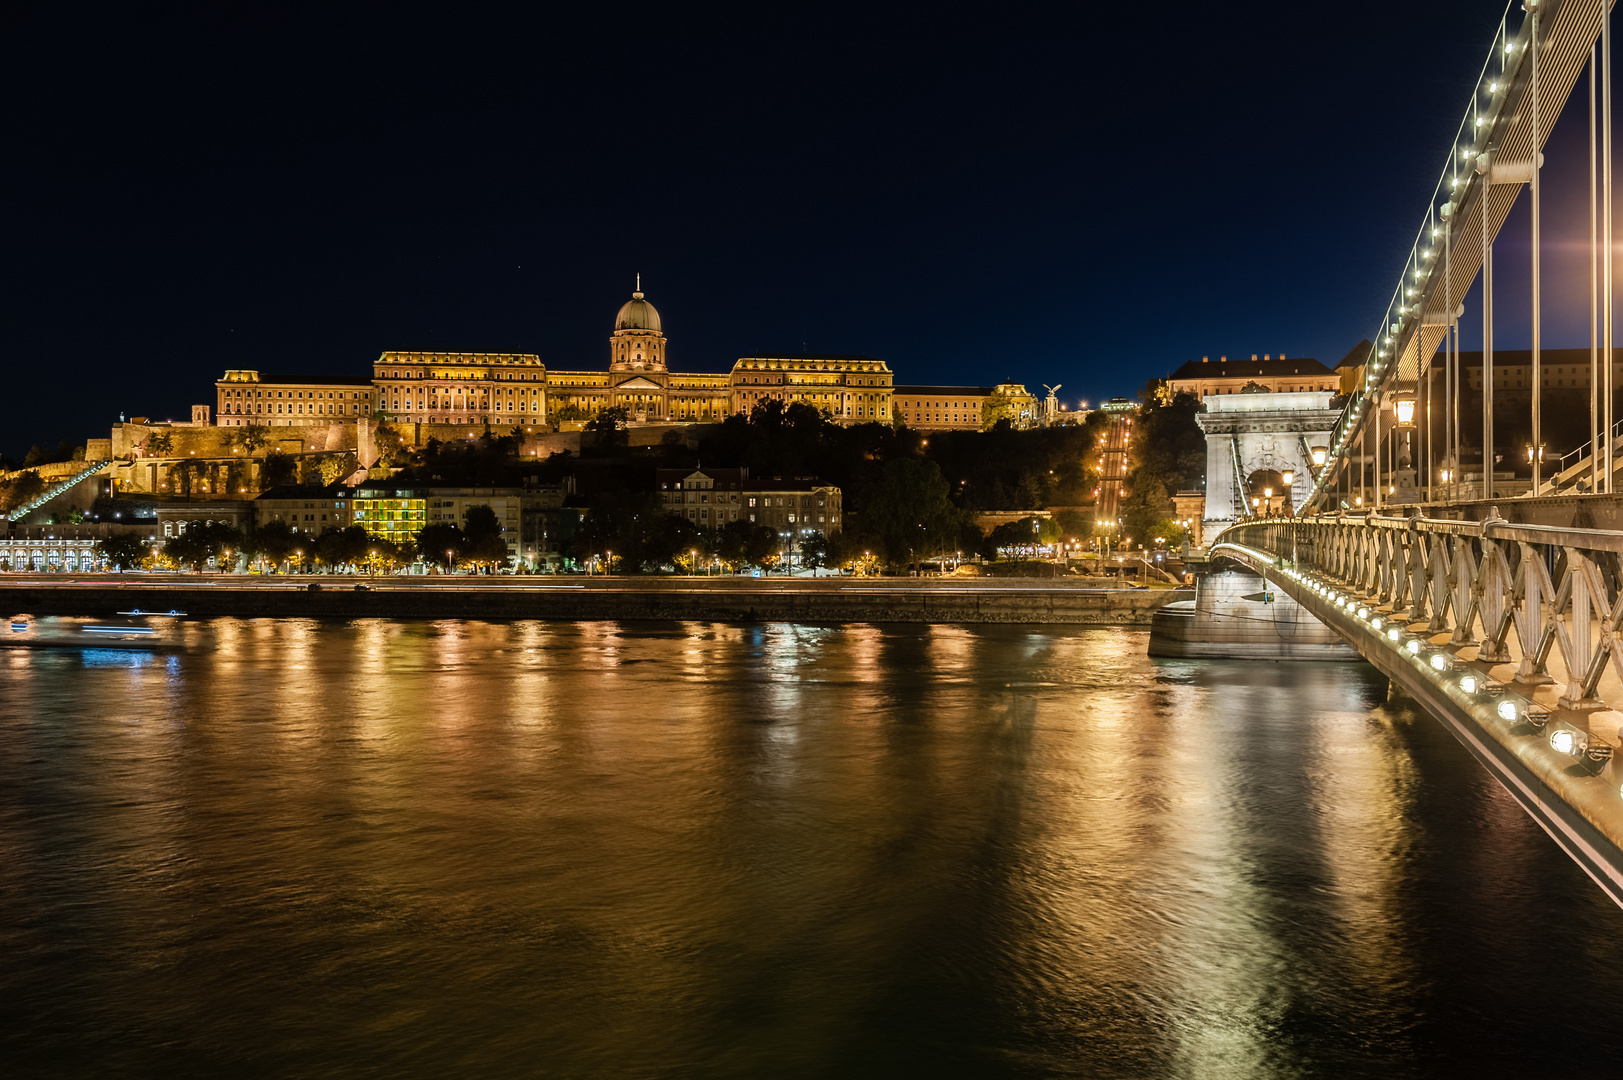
(831, 599)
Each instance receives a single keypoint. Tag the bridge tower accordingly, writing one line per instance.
(1252, 440)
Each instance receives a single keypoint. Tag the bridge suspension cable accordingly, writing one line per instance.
(1525, 82)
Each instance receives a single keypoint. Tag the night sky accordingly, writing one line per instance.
(1086, 194)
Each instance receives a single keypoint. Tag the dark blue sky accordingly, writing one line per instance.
(1088, 194)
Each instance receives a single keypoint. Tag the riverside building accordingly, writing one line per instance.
(1203, 378)
(716, 497)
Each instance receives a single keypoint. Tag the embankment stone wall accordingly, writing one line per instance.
(820, 603)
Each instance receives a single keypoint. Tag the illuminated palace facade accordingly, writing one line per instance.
(517, 390)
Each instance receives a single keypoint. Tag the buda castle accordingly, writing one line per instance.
(508, 390)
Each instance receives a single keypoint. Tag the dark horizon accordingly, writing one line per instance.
(1037, 197)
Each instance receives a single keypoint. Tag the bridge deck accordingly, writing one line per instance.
(1432, 605)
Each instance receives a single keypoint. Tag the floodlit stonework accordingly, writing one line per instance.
(508, 391)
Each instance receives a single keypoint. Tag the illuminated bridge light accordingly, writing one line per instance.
(1468, 683)
(1507, 710)
(1413, 646)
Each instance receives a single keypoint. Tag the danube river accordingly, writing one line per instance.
(464, 849)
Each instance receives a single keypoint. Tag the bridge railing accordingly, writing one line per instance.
(1547, 600)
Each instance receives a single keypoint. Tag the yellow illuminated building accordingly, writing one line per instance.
(397, 517)
(515, 390)
(245, 397)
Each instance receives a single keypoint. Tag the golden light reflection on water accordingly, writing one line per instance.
(620, 849)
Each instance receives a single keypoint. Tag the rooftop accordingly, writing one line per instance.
(306, 491)
(944, 391)
(1237, 369)
(278, 379)
(1524, 357)
(1355, 356)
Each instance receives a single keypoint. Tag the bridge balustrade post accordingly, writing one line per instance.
(1532, 615)
(1355, 555)
(1414, 565)
(1438, 571)
(1573, 632)
(1383, 557)
(1398, 544)
(1494, 586)
(1355, 558)
(1466, 593)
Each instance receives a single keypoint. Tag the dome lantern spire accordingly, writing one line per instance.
(638, 343)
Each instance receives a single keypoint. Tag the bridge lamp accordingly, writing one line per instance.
(1363, 612)
(1393, 635)
(1507, 710)
(1439, 661)
(1468, 683)
(1413, 646)
(1403, 405)
(1375, 623)
(1566, 741)
(1319, 454)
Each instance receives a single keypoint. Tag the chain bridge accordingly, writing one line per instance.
(1484, 579)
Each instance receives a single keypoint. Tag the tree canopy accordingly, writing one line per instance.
(910, 512)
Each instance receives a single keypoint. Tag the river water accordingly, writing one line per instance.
(701, 850)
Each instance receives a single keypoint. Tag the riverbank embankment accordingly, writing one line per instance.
(929, 600)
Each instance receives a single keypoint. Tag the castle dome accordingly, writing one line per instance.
(637, 313)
